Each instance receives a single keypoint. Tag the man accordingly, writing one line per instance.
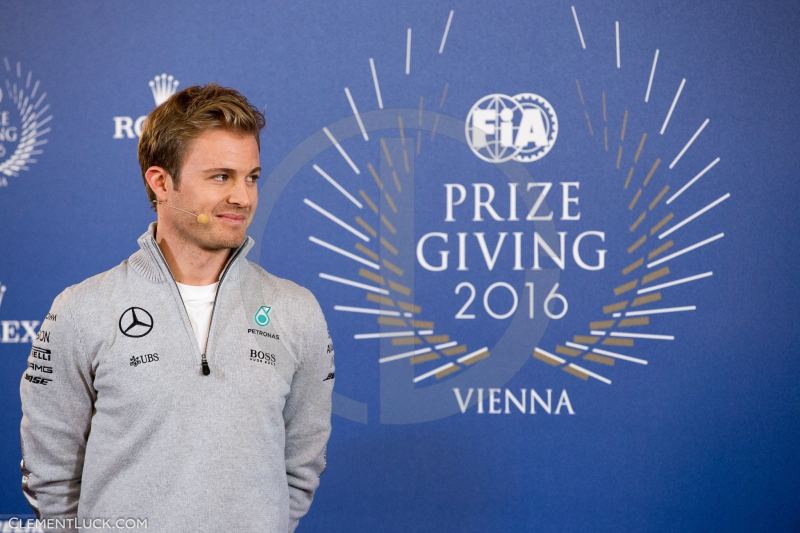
(186, 386)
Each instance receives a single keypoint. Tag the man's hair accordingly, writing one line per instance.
(170, 127)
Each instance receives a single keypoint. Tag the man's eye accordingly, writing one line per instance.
(220, 177)
(253, 178)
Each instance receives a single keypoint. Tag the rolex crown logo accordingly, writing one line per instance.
(163, 86)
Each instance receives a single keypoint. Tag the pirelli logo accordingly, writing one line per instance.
(41, 353)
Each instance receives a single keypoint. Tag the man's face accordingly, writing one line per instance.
(219, 178)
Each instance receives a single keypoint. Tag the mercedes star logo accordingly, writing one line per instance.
(135, 322)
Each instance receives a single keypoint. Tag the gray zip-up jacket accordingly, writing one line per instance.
(123, 416)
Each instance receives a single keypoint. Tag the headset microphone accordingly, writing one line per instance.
(201, 218)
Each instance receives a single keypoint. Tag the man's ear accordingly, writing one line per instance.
(156, 178)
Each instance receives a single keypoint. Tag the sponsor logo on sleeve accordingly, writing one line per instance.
(36, 367)
(38, 380)
(43, 336)
(41, 353)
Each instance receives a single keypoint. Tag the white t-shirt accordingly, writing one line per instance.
(199, 302)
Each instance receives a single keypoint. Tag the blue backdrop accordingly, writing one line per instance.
(680, 420)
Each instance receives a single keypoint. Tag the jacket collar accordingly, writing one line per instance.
(150, 263)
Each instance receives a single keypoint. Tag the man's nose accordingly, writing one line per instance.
(239, 194)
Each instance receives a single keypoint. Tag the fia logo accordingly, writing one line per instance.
(500, 128)
(162, 86)
(262, 316)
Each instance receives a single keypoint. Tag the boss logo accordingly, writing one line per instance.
(262, 357)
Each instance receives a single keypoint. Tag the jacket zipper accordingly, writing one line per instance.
(204, 368)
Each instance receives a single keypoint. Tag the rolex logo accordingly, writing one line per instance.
(14, 331)
(163, 86)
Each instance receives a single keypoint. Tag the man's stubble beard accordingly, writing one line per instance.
(207, 236)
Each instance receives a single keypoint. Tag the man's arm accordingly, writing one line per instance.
(57, 397)
(307, 415)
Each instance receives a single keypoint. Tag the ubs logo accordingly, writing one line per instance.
(137, 360)
(135, 322)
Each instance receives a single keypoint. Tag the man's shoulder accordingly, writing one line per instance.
(297, 303)
(282, 287)
(95, 288)
(297, 310)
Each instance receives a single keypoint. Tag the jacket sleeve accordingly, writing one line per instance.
(57, 396)
(307, 415)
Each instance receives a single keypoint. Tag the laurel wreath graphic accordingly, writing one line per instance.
(639, 298)
(654, 210)
(24, 93)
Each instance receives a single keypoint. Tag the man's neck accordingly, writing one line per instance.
(189, 264)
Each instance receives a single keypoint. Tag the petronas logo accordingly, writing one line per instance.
(262, 316)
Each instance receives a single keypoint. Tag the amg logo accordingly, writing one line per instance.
(40, 353)
(274, 336)
(40, 368)
(262, 357)
(39, 380)
(43, 336)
